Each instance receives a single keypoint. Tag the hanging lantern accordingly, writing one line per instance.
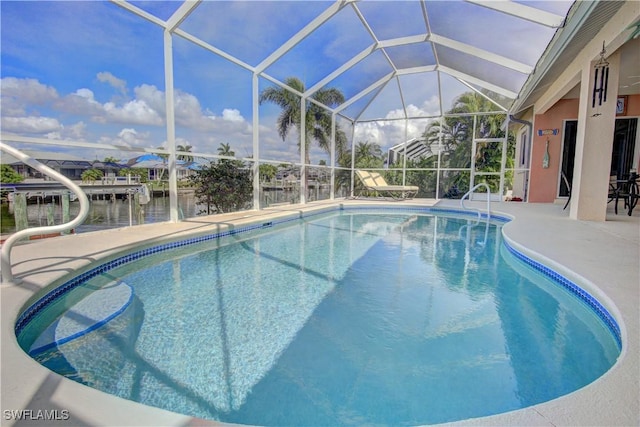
(601, 80)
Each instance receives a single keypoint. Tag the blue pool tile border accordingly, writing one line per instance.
(580, 293)
(66, 287)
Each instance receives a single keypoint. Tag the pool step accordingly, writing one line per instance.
(92, 312)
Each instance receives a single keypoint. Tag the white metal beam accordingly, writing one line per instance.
(171, 126)
(350, 63)
(477, 81)
(416, 70)
(256, 140)
(332, 160)
(481, 53)
(378, 90)
(482, 95)
(522, 11)
(303, 151)
(292, 90)
(404, 105)
(301, 35)
(181, 14)
(141, 13)
(364, 22)
(364, 92)
(70, 143)
(210, 48)
(403, 41)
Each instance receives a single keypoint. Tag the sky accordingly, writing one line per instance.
(91, 71)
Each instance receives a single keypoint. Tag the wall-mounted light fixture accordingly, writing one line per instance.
(601, 79)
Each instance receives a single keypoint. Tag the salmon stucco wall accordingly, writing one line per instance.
(633, 106)
(544, 182)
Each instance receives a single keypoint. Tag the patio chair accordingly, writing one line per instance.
(625, 189)
(568, 184)
(615, 192)
(373, 181)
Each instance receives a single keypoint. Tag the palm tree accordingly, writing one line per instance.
(165, 160)
(184, 157)
(457, 136)
(225, 150)
(317, 119)
(368, 150)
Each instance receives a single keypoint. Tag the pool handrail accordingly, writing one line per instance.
(7, 245)
(482, 184)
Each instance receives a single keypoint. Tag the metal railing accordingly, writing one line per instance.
(5, 253)
(482, 184)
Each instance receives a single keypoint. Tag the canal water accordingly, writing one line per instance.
(104, 214)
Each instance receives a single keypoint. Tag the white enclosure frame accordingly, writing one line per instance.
(171, 28)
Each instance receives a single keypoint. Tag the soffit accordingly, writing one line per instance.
(598, 17)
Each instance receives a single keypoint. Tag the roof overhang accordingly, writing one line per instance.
(579, 42)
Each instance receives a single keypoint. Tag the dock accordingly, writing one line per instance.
(97, 191)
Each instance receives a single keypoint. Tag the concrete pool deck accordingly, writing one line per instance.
(602, 257)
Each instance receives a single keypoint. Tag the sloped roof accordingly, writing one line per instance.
(415, 148)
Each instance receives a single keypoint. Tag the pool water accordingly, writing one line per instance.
(347, 318)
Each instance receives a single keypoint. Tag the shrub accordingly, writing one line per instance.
(225, 186)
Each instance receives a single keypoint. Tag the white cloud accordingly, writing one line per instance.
(196, 125)
(81, 102)
(128, 136)
(86, 94)
(31, 124)
(131, 137)
(30, 91)
(77, 131)
(187, 108)
(19, 94)
(107, 77)
(152, 96)
(232, 115)
(431, 106)
(133, 112)
(391, 132)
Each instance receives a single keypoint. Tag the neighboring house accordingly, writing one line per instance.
(288, 173)
(415, 149)
(157, 167)
(66, 164)
(109, 169)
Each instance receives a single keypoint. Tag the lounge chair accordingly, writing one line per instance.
(373, 181)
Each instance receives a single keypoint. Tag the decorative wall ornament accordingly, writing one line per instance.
(545, 159)
(601, 79)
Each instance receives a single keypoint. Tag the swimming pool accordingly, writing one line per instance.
(351, 317)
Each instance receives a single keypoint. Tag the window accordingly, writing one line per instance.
(524, 150)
